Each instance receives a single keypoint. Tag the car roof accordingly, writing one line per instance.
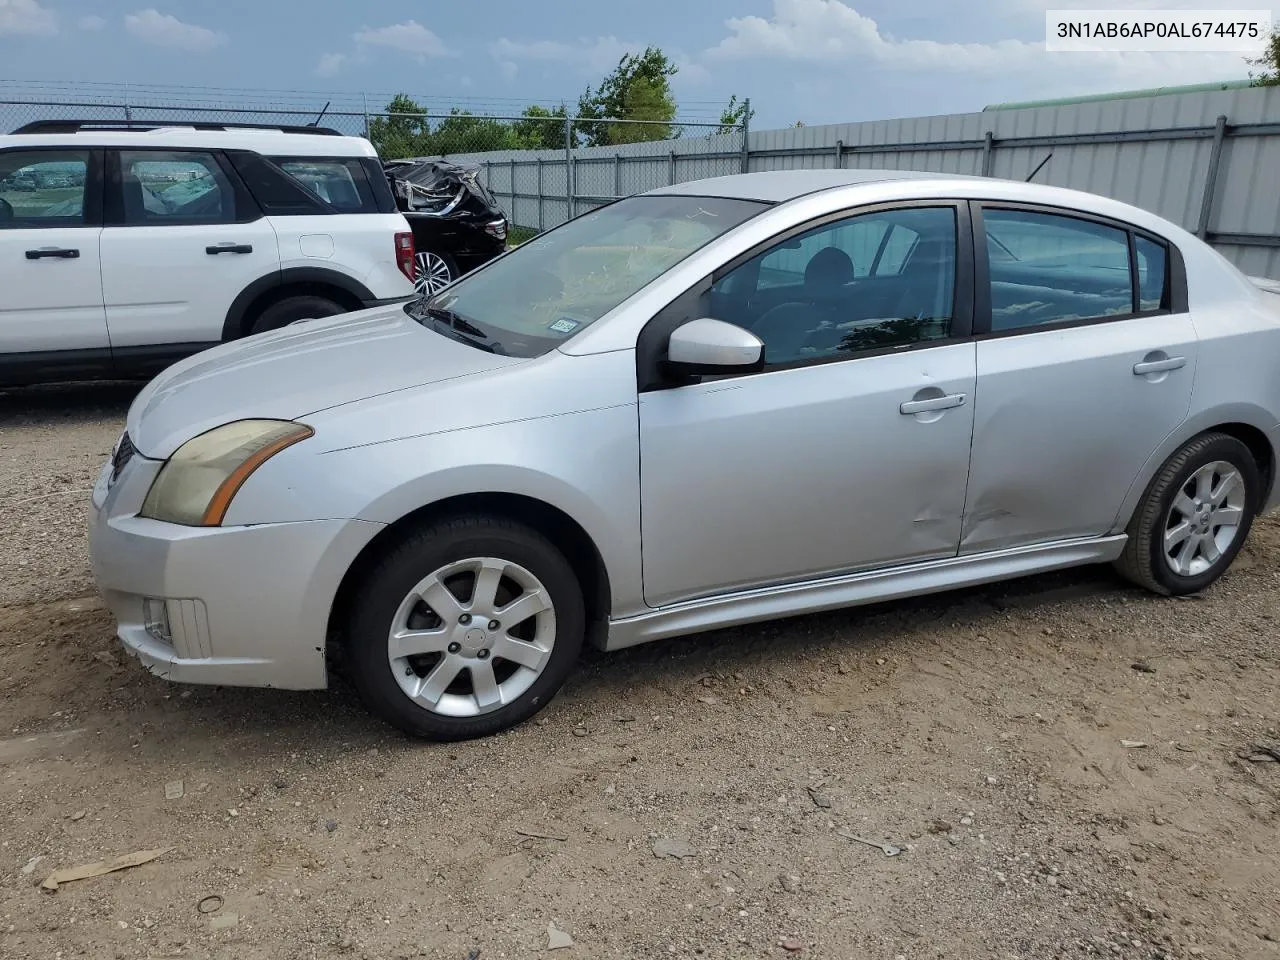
(267, 141)
(779, 186)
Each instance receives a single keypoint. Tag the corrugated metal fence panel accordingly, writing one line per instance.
(1164, 173)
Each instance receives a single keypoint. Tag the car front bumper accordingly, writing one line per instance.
(238, 606)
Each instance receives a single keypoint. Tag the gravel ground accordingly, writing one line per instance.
(982, 731)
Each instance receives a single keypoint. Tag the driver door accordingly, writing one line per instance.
(850, 450)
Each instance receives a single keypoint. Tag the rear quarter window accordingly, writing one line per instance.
(338, 181)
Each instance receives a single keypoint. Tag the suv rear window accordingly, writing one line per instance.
(306, 186)
(339, 182)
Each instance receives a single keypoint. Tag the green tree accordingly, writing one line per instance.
(734, 115)
(542, 129)
(463, 132)
(403, 132)
(1269, 61)
(639, 88)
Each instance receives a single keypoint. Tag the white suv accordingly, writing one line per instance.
(125, 247)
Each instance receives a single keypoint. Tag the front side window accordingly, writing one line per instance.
(1047, 268)
(532, 299)
(184, 186)
(42, 188)
(871, 281)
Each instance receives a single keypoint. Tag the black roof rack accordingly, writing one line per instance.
(74, 126)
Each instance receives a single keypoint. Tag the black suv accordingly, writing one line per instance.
(457, 223)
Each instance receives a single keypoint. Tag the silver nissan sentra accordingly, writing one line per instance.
(719, 402)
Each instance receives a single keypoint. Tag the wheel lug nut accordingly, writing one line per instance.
(465, 618)
(483, 654)
(494, 624)
(455, 647)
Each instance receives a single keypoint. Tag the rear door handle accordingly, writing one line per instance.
(57, 253)
(229, 248)
(912, 407)
(1158, 366)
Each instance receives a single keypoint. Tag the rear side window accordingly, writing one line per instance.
(1153, 275)
(42, 188)
(1048, 269)
(338, 181)
(181, 186)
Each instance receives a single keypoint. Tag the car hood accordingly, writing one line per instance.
(297, 370)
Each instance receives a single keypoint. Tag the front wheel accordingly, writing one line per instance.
(465, 628)
(1194, 517)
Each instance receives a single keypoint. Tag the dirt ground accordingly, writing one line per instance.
(989, 733)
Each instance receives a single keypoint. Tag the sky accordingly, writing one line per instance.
(816, 61)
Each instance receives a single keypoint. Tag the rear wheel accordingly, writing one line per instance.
(292, 309)
(1194, 517)
(467, 627)
(434, 272)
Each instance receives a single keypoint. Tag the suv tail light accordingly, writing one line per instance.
(404, 255)
(496, 228)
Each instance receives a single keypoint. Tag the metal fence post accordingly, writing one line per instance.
(513, 188)
(617, 174)
(988, 145)
(839, 154)
(746, 133)
(671, 168)
(364, 102)
(540, 227)
(1211, 176)
(568, 168)
(128, 114)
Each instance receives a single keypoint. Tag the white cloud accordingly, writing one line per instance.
(831, 33)
(589, 54)
(91, 22)
(408, 37)
(508, 69)
(331, 64)
(165, 30)
(26, 18)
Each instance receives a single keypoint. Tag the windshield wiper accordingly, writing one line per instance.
(453, 325)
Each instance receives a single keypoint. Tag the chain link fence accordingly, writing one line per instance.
(543, 165)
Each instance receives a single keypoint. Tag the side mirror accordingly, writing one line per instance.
(711, 347)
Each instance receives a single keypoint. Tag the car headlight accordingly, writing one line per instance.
(196, 485)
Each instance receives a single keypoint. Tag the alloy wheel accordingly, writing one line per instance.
(433, 273)
(472, 637)
(1204, 519)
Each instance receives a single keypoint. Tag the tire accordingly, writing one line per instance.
(1172, 504)
(441, 561)
(292, 309)
(433, 270)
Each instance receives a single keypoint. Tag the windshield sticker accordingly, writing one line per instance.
(565, 325)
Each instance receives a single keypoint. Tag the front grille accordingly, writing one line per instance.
(123, 454)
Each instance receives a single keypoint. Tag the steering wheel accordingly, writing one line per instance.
(6, 209)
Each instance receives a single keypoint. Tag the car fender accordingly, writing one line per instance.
(234, 321)
(585, 464)
(1246, 413)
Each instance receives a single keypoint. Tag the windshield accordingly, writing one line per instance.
(561, 282)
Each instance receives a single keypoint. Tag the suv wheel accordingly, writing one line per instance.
(1194, 517)
(467, 627)
(434, 272)
(292, 309)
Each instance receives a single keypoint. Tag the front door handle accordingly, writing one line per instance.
(1158, 366)
(229, 248)
(56, 253)
(912, 407)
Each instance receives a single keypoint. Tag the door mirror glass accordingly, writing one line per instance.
(711, 347)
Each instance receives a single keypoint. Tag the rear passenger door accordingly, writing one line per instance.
(1086, 355)
(182, 239)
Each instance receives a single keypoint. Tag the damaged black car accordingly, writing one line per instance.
(457, 223)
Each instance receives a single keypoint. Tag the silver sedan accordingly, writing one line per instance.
(719, 402)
